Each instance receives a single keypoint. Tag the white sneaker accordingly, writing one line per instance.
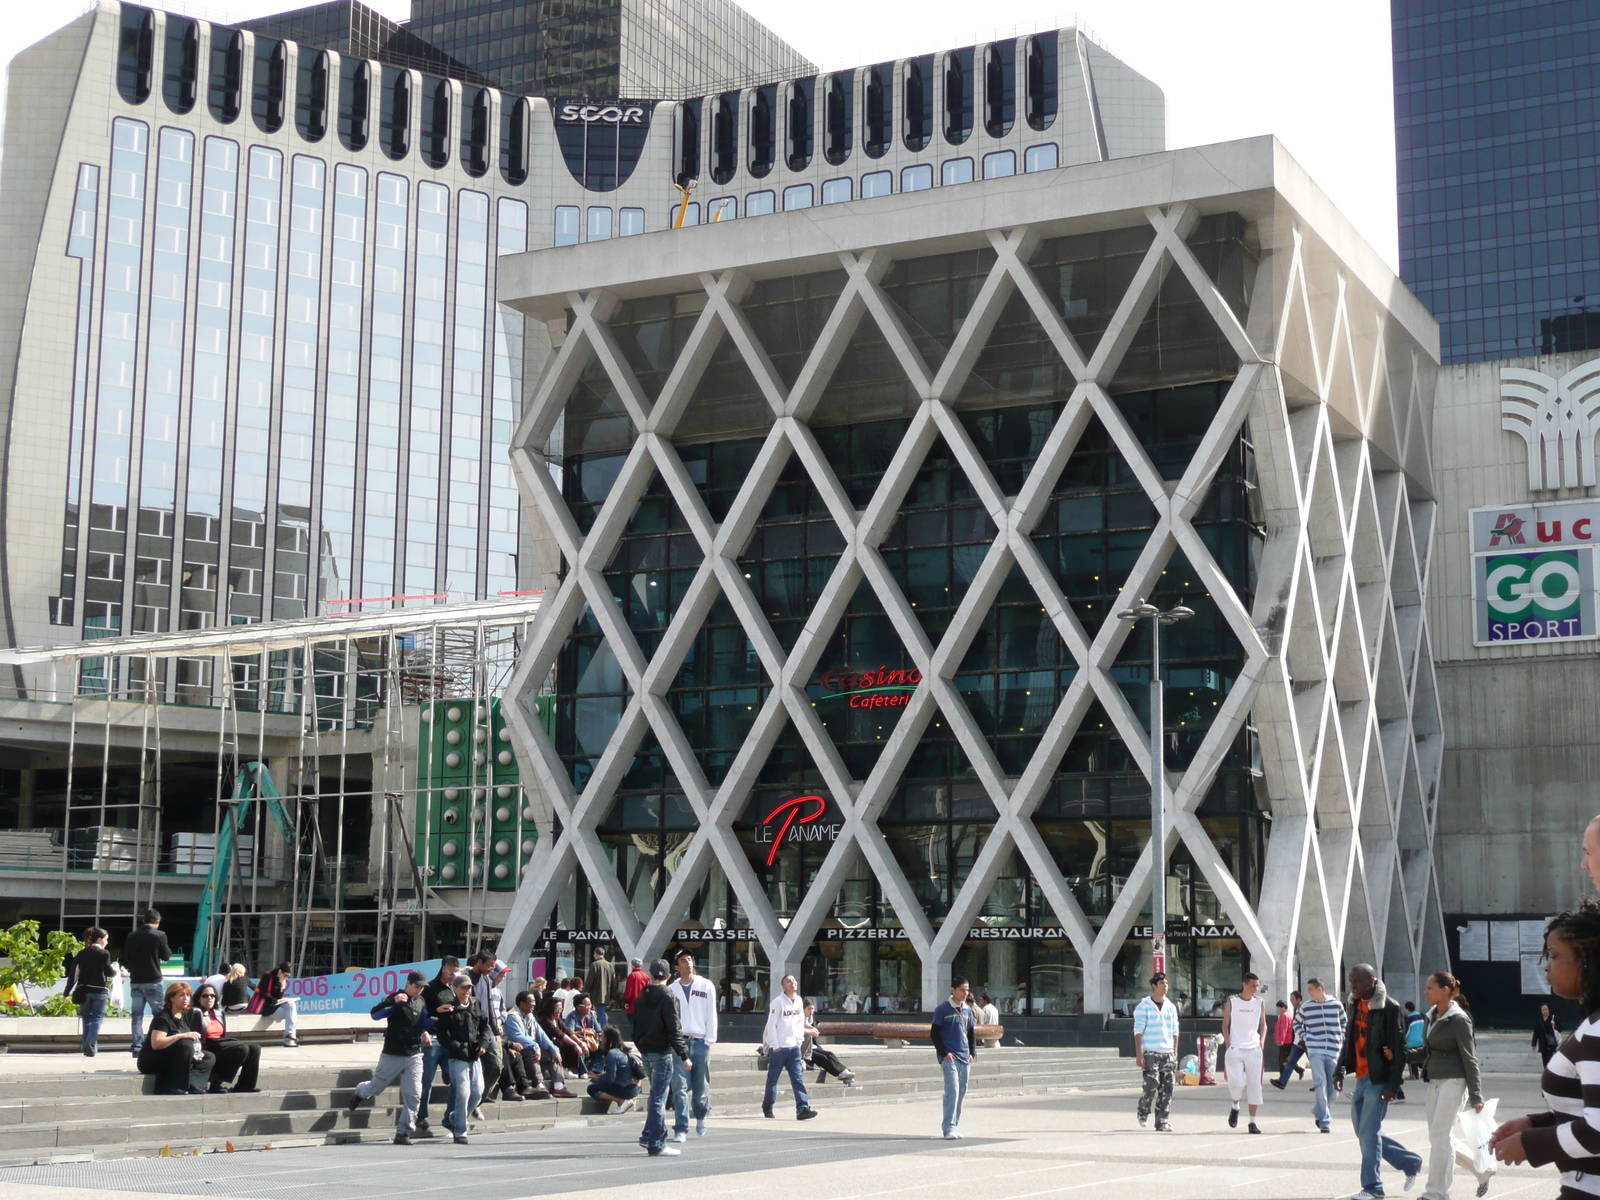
(667, 1151)
(700, 1127)
(951, 1136)
(477, 1115)
(1411, 1179)
(1363, 1194)
(679, 1136)
(624, 1106)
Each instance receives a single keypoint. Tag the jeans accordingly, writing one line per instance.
(466, 1090)
(140, 997)
(286, 1011)
(955, 1090)
(407, 1072)
(785, 1058)
(692, 1077)
(92, 1011)
(601, 1017)
(1289, 1058)
(431, 1057)
(1367, 1110)
(1322, 1068)
(658, 1070)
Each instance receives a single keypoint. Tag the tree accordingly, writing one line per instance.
(23, 960)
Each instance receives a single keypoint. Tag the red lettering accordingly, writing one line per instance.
(1555, 532)
(1580, 529)
(791, 811)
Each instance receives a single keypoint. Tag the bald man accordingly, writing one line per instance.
(1591, 851)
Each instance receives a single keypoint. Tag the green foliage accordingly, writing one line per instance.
(29, 962)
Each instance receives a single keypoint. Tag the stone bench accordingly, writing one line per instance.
(63, 1034)
(893, 1032)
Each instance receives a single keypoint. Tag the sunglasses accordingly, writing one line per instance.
(205, 996)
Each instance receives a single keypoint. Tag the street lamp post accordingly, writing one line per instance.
(1158, 774)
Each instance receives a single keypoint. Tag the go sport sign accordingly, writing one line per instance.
(1533, 572)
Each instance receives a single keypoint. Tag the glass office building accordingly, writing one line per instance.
(1497, 131)
(840, 688)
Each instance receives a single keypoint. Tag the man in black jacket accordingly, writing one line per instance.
(401, 1059)
(1375, 1050)
(142, 954)
(464, 1031)
(436, 997)
(658, 1035)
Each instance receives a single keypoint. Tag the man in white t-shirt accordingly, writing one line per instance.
(1244, 1029)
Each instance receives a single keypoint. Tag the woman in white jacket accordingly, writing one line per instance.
(785, 1031)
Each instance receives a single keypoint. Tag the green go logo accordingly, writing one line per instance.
(1528, 587)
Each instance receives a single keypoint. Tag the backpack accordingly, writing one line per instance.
(635, 1063)
(1414, 1034)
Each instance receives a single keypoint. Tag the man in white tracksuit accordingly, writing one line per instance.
(785, 1031)
(1244, 1028)
(697, 1013)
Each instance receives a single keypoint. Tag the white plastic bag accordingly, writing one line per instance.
(1472, 1133)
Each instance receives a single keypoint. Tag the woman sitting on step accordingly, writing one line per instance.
(174, 1052)
(238, 1063)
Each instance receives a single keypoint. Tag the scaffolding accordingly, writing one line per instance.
(287, 709)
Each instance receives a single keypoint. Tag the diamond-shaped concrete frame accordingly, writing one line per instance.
(1336, 648)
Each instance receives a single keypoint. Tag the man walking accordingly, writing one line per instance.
(636, 982)
(464, 1030)
(954, 1035)
(401, 1058)
(1297, 1045)
(658, 1036)
(143, 953)
(1244, 1028)
(783, 1036)
(600, 980)
(1155, 1049)
(697, 1014)
(1322, 1023)
(487, 972)
(1374, 1047)
(437, 999)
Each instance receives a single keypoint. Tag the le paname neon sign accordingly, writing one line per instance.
(796, 820)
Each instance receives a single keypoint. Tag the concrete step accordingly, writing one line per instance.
(124, 1123)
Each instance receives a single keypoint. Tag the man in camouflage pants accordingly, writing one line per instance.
(1155, 1049)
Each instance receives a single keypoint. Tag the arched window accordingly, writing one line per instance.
(1041, 82)
(919, 102)
(180, 73)
(1000, 88)
(514, 140)
(686, 152)
(763, 135)
(266, 89)
(801, 135)
(227, 74)
(311, 95)
(475, 130)
(958, 96)
(435, 121)
(395, 112)
(839, 119)
(354, 91)
(136, 47)
(725, 138)
(878, 125)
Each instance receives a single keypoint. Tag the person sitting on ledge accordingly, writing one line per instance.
(614, 1081)
(825, 1061)
(174, 1052)
(238, 1062)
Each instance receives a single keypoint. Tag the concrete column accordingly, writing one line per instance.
(25, 791)
(935, 983)
(1096, 986)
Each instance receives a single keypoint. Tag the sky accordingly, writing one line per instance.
(1316, 75)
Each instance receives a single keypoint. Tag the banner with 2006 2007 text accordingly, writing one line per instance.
(353, 992)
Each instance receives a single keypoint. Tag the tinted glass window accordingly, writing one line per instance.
(135, 54)
(958, 83)
(227, 74)
(267, 88)
(180, 75)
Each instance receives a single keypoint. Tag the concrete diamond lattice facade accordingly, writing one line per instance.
(1331, 388)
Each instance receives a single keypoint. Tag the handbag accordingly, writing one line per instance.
(257, 1003)
(635, 1065)
(80, 995)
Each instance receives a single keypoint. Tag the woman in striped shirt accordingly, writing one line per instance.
(1569, 1133)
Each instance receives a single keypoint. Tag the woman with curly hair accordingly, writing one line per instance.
(1568, 1134)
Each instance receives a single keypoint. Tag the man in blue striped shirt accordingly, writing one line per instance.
(1155, 1049)
(1323, 1019)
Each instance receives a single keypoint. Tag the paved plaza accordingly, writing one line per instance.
(1016, 1148)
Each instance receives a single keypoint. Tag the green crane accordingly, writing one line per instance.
(254, 783)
